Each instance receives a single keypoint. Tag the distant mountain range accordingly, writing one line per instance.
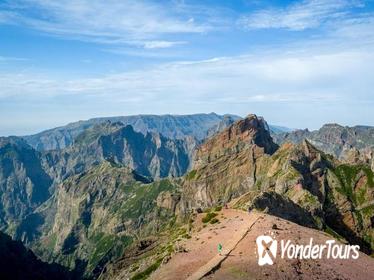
(350, 144)
(170, 126)
(94, 191)
(198, 126)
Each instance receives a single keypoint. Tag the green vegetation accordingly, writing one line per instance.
(186, 236)
(309, 199)
(134, 267)
(207, 210)
(218, 208)
(368, 210)
(143, 199)
(103, 244)
(333, 233)
(191, 175)
(370, 240)
(208, 217)
(145, 273)
(239, 273)
(51, 243)
(214, 221)
(348, 175)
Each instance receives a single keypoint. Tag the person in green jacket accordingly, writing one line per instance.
(220, 249)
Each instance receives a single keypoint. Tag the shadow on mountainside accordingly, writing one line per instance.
(277, 205)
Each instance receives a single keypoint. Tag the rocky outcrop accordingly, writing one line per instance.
(24, 184)
(82, 206)
(349, 206)
(283, 207)
(95, 215)
(151, 154)
(225, 165)
(295, 181)
(227, 121)
(333, 139)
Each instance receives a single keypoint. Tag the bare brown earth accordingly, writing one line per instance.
(237, 232)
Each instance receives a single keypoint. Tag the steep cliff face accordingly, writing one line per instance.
(333, 139)
(28, 178)
(95, 215)
(304, 185)
(296, 173)
(151, 154)
(349, 207)
(296, 181)
(24, 184)
(86, 205)
(225, 165)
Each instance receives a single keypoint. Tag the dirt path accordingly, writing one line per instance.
(244, 263)
(202, 256)
(218, 259)
(239, 260)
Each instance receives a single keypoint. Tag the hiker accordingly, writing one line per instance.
(226, 207)
(220, 249)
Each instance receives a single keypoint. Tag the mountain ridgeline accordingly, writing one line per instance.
(28, 177)
(350, 144)
(150, 154)
(170, 126)
(111, 198)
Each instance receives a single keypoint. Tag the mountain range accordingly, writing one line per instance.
(350, 144)
(198, 126)
(113, 197)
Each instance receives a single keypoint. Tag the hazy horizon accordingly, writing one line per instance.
(32, 132)
(299, 64)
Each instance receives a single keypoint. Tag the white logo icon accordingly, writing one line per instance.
(267, 249)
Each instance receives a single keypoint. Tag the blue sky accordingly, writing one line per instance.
(297, 63)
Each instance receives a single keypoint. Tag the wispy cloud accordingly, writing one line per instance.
(297, 88)
(308, 76)
(313, 79)
(127, 21)
(298, 16)
(11, 59)
(161, 44)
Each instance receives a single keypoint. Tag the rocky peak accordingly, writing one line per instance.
(246, 132)
(331, 125)
(223, 124)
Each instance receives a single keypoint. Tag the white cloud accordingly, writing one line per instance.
(161, 44)
(127, 21)
(291, 77)
(298, 16)
(328, 78)
(298, 88)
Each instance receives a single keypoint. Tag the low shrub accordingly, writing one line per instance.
(208, 217)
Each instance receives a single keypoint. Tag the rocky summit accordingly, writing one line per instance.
(118, 203)
(225, 165)
(350, 144)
